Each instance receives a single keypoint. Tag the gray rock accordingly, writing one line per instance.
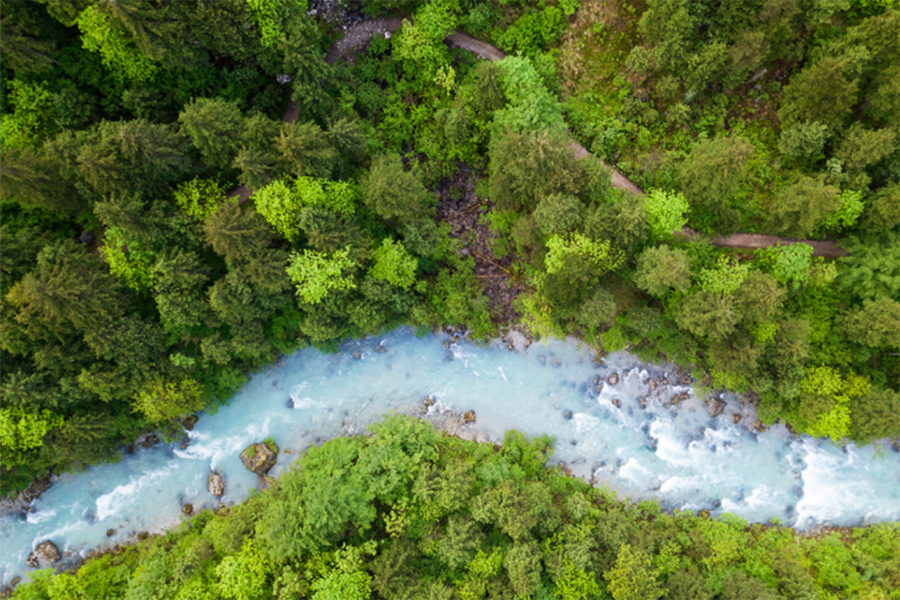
(716, 406)
(616, 402)
(736, 418)
(380, 349)
(216, 484)
(613, 379)
(679, 398)
(45, 552)
(567, 415)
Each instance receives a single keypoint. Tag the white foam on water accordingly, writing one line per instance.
(655, 452)
(110, 504)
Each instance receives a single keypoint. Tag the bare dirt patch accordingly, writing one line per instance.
(463, 209)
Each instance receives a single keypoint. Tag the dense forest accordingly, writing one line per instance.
(407, 513)
(414, 183)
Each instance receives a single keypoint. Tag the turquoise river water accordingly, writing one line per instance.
(678, 455)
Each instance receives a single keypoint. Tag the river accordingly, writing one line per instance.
(678, 455)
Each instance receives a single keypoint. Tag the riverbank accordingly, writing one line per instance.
(622, 424)
(437, 499)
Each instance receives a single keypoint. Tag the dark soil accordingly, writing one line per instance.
(463, 209)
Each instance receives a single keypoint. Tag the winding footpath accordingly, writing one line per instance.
(359, 34)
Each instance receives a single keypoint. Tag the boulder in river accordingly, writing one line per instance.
(613, 379)
(190, 421)
(216, 484)
(679, 398)
(110, 532)
(567, 415)
(260, 457)
(46, 551)
(469, 416)
(716, 406)
(616, 402)
(187, 509)
(736, 418)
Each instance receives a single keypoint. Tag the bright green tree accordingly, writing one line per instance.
(663, 269)
(634, 577)
(32, 120)
(199, 198)
(244, 576)
(119, 53)
(394, 264)
(315, 274)
(163, 400)
(665, 212)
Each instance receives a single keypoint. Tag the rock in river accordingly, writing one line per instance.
(45, 551)
(190, 421)
(216, 484)
(736, 418)
(469, 416)
(260, 457)
(613, 379)
(716, 406)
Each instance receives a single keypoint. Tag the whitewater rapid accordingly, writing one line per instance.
(643, 448)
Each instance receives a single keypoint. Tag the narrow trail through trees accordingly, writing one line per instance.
(359, 34)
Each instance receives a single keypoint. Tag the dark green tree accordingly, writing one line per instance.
(213, 126)
(305, 149)
(392, 192)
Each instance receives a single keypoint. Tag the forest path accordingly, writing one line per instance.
(359, 34)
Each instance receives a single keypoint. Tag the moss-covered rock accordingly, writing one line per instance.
(260, 457)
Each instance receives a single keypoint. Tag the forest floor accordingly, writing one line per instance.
(462, 208)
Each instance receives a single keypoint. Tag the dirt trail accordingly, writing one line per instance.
(359, 34)
(467, 42)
